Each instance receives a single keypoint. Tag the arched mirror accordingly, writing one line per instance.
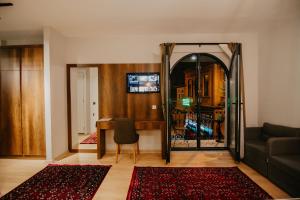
(83, 107)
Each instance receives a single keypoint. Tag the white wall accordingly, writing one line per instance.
(145, 49)
(74, 114)
(87, 102)
(55, 94)
(94, 109)
(279, 74)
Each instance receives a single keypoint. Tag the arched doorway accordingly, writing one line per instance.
(198, 94)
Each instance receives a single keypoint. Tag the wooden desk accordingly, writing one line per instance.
(102, 126)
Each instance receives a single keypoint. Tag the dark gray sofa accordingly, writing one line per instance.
(284, 163)
(257, 145)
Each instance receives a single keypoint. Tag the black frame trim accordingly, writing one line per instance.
(227, 72)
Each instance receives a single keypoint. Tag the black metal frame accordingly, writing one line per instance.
(199, 148)
(236, 154)
(169, 149)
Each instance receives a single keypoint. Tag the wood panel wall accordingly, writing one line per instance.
(22, 101)
(116, 102)
(33, 118)
(11, 140)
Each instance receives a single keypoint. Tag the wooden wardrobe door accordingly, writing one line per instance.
(33, 126)
(10, 102)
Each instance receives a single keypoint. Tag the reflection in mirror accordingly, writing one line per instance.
(84, 107)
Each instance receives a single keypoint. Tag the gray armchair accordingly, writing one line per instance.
(284, 163)
(255, 150)
(256, 146)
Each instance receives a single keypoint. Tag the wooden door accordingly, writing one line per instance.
(10, 102)
(32, 81)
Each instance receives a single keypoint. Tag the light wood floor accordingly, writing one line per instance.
(115, 185)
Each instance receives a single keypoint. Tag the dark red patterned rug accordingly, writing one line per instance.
(193, 183)
(78, 182)
(92, 139)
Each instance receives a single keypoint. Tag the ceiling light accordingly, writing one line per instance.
(193, 57)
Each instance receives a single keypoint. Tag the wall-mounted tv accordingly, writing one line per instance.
(148, 82)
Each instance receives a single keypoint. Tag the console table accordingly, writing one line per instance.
(102, 126)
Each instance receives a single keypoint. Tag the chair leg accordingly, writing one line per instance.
(137, 147)
(133, 151)
(117, 152)
(119, 148)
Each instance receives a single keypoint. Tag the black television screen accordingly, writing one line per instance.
(143, 82)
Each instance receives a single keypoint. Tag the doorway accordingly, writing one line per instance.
(83, 107)
(193, 120)
(198, 115)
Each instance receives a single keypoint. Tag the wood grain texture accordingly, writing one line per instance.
(9, 58)
(10, 114)
(116, 102)
(33, 120)
(10, 102)
(32, 58)
(22, 101)
(33, 113)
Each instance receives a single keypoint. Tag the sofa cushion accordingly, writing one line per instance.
(255, 155)
(272, 130)
(288, 163)
(257, 146)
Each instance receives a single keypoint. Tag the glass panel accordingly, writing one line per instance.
(212, 103)
(234, 108)
(84, 107)
(184, 103)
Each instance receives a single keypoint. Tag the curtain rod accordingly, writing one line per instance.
(216, 43)
(202, 43)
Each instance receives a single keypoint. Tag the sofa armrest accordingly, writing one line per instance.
(252, 133)
(283, 145)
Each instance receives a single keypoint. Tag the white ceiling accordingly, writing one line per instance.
(86, 17)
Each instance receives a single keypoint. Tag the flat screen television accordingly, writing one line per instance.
(148, 82)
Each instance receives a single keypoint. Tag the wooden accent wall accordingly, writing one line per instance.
(116, 102)
(33, 119)
(10, 103)
(22, 101)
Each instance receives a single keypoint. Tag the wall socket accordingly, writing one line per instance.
(154, 107)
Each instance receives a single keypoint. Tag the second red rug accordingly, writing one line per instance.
(178, 183)
(77, 182)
